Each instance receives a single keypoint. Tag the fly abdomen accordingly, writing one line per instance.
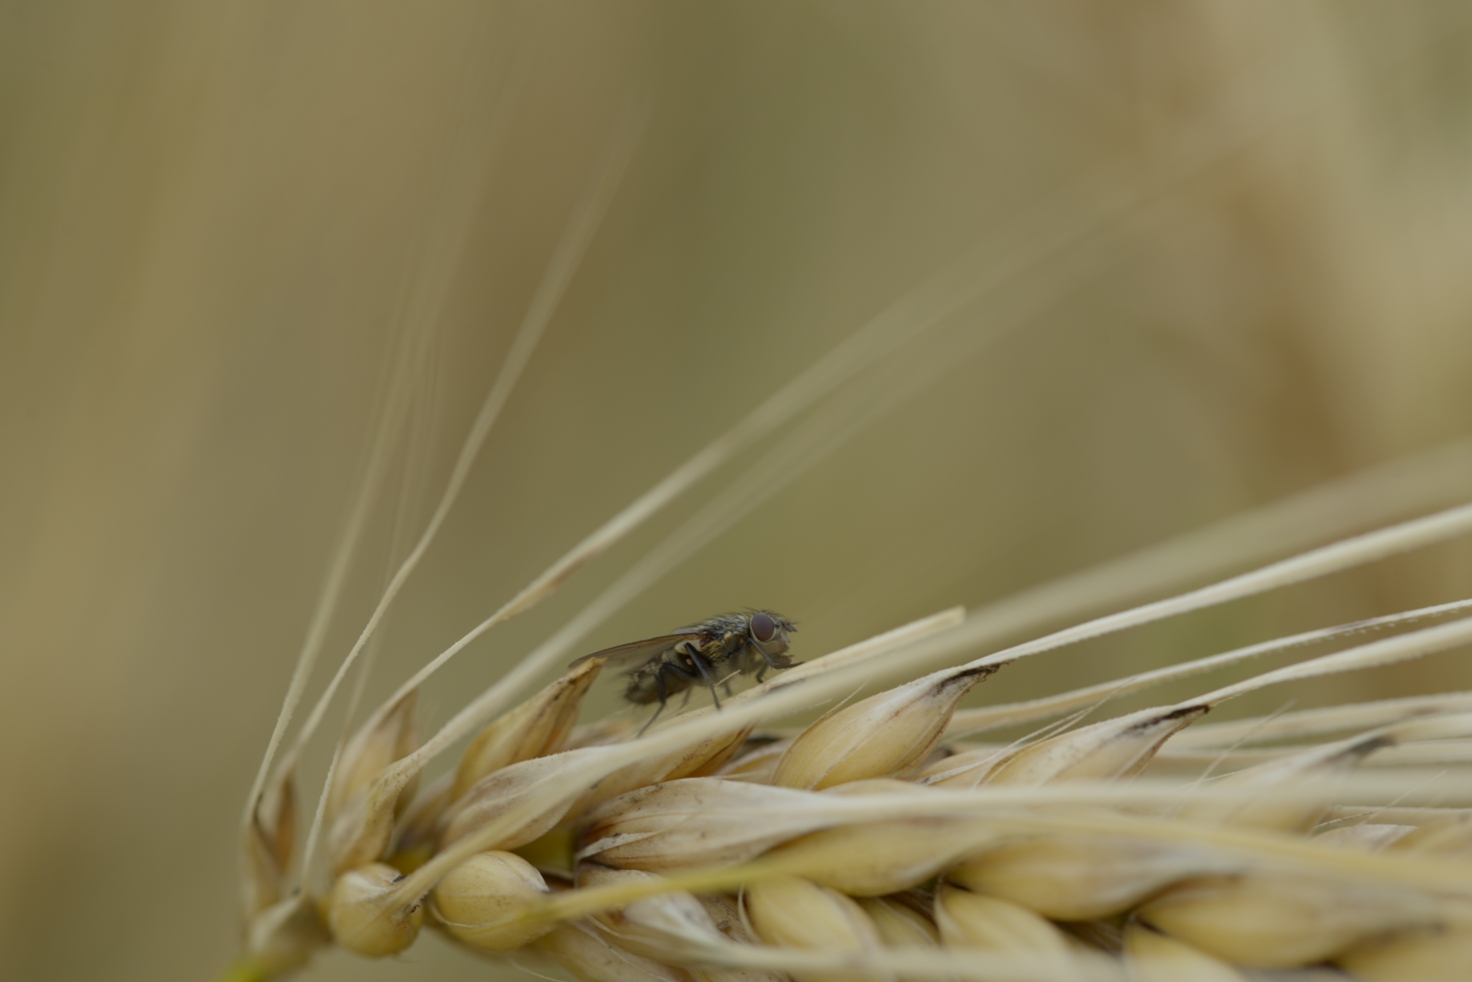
(642, 687)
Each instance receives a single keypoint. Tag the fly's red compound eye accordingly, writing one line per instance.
(763, 627)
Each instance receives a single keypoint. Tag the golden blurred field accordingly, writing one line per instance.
(215, 219)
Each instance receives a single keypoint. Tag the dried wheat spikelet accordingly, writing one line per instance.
(704, 851)
(834, 854)
(864, 845)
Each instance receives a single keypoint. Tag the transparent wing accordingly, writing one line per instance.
(641, 651)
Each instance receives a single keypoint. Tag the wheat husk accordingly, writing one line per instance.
(420, 826)
(659, 927)
(387, 737)
(697, 822)
(757, 763)
(1083, 877)
(537, 727)
(726, 914)
(972, 920)
(884, 735)
(696, 758)
(1153, 957)
(270, 839)
(872, 859)
(584, 952)
(788, 911)
(1268, 811)
(499, 792)
(1106, 750)
(368, 792)
(901, 924)
(358, 919)
(1290, 919)
(477, 901)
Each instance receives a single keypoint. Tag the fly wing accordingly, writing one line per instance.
(637, 652)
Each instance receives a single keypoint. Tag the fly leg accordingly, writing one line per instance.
(678, 672)
(663, 698)
(699, 664)
(762, 672)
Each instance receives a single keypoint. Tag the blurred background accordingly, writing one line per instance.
(219, 223)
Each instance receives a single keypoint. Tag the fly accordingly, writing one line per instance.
(701, 654)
